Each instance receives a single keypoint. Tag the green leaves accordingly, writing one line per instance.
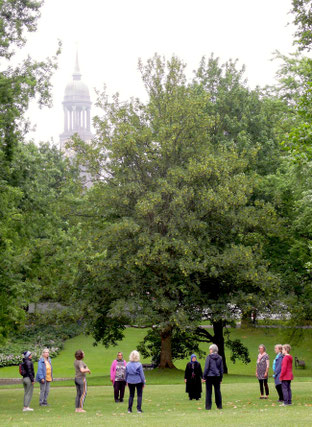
(176, 229)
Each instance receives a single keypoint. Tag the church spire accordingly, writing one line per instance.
(77, 74)
(77, 109)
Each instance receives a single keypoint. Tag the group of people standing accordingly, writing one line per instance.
(213, 374)
(122, 373)
(44, 378)
(131, 374)
(282, 372)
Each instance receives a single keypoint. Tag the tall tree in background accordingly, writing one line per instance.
(302, 10)
(179, 234)
(18, 85)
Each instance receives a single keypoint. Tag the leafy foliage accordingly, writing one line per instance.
(177, 228)
(303, 19)
(183, 344)
(35, 339)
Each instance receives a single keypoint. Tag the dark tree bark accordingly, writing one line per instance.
(165, 352)
(248, 318)
(217, 338)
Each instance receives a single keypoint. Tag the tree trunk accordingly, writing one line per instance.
(165, 351)
(218, 339)
(248, 318)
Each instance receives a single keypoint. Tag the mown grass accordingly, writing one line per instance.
(164, 398)
(99, 358)
(162, 405)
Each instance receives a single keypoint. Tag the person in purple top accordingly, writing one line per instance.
(135, 379)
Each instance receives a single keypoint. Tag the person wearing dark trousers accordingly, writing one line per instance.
(286, 375)
(136, 380)
(277, 366)
(262, 371)
(28, 380)
(118, 377)
(213, 374)
(81, 369)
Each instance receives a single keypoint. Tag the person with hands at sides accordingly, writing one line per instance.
(193, 378)
(135, 379)
(81, 369)
(118, 377)
(44, 377)
(262, 371)
(213, 374)
(286, 375)
(28, 379)
(277, 366)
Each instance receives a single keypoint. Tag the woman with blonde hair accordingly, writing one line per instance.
(277, 366)
(44, 376)
(135, 379)
(286, 375)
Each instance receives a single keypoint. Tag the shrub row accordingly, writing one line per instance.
(35, 339)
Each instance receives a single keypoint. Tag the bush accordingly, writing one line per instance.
(35, 338)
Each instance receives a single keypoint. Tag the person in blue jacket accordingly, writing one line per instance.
(44, 376)
(277, 367)
(135, 379)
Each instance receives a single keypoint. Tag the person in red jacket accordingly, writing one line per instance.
(286, 374)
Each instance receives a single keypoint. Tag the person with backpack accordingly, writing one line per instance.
(44, 376)
(118, 377)
(28, 373)
(213, 375)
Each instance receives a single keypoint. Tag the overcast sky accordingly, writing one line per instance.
(112, 34)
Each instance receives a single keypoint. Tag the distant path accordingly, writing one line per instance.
(12, 381)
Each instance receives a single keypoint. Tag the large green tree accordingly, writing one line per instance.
(178, 232)
(18, 85)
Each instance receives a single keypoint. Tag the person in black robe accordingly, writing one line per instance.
(193, 378)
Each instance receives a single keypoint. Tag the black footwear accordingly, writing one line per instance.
(116, 400)
(208, 409)
(121, 400)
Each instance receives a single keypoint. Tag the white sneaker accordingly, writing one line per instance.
(27, 409)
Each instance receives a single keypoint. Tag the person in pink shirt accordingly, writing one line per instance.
(286, 374)
(118, 377)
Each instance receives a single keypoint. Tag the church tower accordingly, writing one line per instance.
(77, 109)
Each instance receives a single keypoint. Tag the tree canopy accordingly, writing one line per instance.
(179, 229)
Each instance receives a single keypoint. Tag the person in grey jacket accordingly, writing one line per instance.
(213, 375)
(277, 367)
(135, 379)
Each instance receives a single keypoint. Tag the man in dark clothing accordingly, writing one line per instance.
(213, 375)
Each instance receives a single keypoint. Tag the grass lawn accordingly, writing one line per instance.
(164, 399)
(162, 405)
(100, 358)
